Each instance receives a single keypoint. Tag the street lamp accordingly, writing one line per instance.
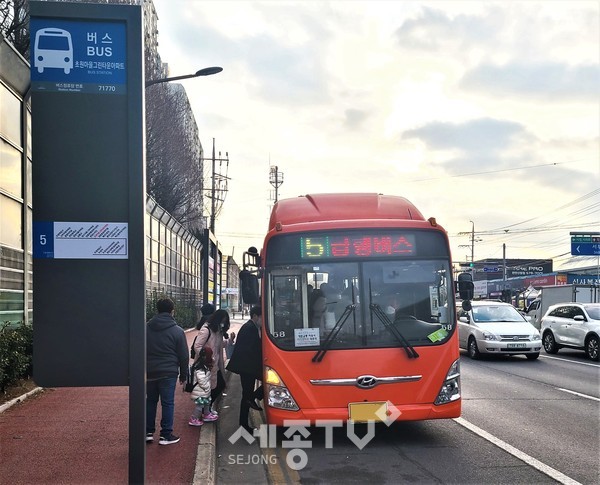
(207, 71)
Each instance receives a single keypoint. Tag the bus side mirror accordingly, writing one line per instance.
(249, 286)
(466, 288)
(251, 258)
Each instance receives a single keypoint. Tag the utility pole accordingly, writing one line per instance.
(219, 184)
(472, 245)
(276, 180)
(472, 241)
(210, 250)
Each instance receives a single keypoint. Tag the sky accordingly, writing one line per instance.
(485, 115)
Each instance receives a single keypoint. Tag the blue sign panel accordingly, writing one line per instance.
(43, 239)
(585, 249)
(585, 245)
(71, 56)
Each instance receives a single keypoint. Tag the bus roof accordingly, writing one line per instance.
(342, 207)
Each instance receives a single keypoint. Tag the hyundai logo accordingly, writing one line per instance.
(366, 382)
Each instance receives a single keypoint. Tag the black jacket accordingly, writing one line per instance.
(166, 348)
(247, 353)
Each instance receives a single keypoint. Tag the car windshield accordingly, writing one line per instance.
(593, 311)
(496, 313)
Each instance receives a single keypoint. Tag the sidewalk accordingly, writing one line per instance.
(80, 436)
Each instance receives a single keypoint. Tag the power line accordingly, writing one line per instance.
(496, 171)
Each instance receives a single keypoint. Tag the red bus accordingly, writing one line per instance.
(358, 311)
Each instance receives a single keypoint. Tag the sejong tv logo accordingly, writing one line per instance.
(297, 436)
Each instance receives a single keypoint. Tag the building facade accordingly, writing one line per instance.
(16, 287)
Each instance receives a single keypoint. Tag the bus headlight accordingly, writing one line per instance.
(278, 394)
(450, 390)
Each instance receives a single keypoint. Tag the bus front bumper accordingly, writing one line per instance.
(410, 412)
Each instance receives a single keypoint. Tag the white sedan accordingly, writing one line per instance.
(497, 328)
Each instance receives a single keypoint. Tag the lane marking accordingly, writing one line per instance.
(578, 394)
(538, 465)
(571, 361)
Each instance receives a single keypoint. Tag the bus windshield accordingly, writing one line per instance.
(358, 302)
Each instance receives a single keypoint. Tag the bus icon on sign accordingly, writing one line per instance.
(53, 48)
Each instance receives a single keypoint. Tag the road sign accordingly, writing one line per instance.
(585, 245)
(489, 269)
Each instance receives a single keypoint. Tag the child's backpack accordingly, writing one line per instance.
(190, 382)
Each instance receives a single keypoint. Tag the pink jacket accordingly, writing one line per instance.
(215, 342)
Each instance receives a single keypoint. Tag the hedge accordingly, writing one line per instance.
(16, 351)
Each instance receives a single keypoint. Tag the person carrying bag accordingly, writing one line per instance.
(211, 335)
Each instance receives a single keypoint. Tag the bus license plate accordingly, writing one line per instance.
(367, 411)
(517, 346)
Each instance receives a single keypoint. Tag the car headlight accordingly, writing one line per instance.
(490, 336)
(534, 336)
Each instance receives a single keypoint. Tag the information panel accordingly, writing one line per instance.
(78, 56)
(88, 194)
(80, 240)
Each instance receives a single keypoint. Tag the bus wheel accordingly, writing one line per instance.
(472, 349)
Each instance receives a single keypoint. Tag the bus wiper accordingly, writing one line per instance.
(318, 357)
(410, 350)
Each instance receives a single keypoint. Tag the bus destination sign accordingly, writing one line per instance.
(364, 246)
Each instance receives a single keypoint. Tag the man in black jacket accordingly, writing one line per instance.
(166, 359)
(246, 361)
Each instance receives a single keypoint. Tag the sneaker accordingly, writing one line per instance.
(149, 437)
(168, 440)
(210, 417)
(195, 422)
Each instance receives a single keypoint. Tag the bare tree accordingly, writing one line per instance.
(14, 24)
(173, 154)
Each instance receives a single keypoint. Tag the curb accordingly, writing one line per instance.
(206, 457)
(16, 400)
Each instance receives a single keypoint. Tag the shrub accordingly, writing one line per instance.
(186, 312)
(16, 351)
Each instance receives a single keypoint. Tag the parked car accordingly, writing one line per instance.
(573, 325)
(496, 328)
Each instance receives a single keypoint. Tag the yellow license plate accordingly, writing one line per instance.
(367, 411)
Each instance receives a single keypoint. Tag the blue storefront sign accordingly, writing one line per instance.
(71, 56)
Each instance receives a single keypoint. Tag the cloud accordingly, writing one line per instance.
(435, 30)
(482, 135)
(354, 118)
(550, 81)
(268, 64)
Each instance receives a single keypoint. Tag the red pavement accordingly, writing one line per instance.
(80, 436)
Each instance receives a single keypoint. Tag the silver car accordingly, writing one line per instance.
(496, 328)
(572, 325)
